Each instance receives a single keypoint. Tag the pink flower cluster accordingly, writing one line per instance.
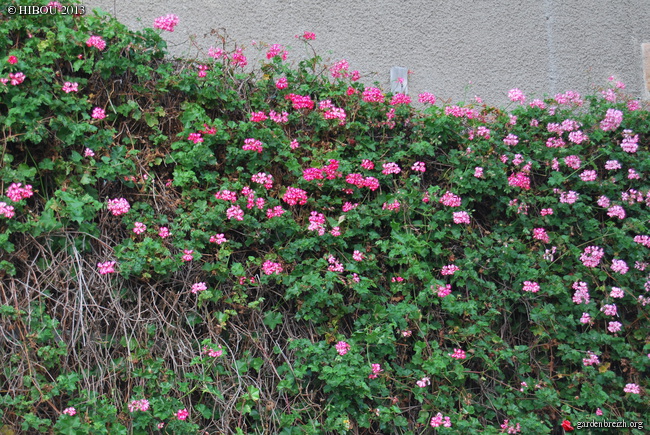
(187, 255)
(300, 101)
(97, 42)
(281, 83)
(6, 210)
(253, 145)
(334, 265)
(69, 411)
(620, 266)
(630, 143)
(393, 206)
(342, 347)
(263, 178)
(427, 97)
(98, 113)
(540, 234)
(372, 95)
(294, 196)
(424, 382)
(118, 206)
(376, 369)
(632, 388)
(270, 268)
(519, 180)
(106, 268)
(440, 420)
(340, 69)
(277, 50)
(168, 22)
(450, 200)
(198, 287)
(569, 98)
(391, 168)
(360, 181)
(461, 217)
(182, 414)
(139, 228)
(16, 192)
(511, 140)
(212, 353)
(591, 256)
(531, 286)
(458, 354)
(163, 232)
(581, 295)
(400, 99)
(226, 195)
(450, 269)
(516, 95)
(510, 428)
(139, 405)
(235, 212)
(612, 121)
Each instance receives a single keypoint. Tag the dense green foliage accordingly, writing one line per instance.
(238, 321)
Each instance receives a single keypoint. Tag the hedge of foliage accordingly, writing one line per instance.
(189, 246)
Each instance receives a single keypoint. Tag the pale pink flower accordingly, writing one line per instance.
(591, 256)
(199, 287)
(270, 268)
(70, 87)
(614, 326)
(511, 140)
(98, 113)
(586, 318)
(516, 95)
(163, 232)
(376, 369)
(531, 286)
(118, 206)
(616, 211)
(612, 121)
(540, 234)
(461, 217)
(427, 97)
(218, 239)
(391, 168)
(235, 212)
(6, 210)
(373, 95)
(450, 269)
(450, 200)
(139, 405)
(358, 255)
(187, 255)
(69, 411)
(632, 388)
(617, 293)
(581, 295)
(139, 228)
(609, 309)
(89, 153)
(106, 268)
(422, 383)
(620, 266)
(440, 420)
(478, 172)
(418, 167)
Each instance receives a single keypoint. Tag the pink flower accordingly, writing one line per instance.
(335, 265)
(394, 206)
(336, 231)
(422, 383)
(358, 255)
(258, 117)
(531, 286)
(373, 95)
(616, 211)
(212, 352)
(516, 95)
(478, 172)
(510, 428)
(309, 36)
(632, 388)
(599, 411)
(118, 206)
(139, 405)
(16, 78)
(400, 99)
(12, 60)
(577, 137)
(279, 118)
(586, 318)
(271, 268)
(569, 197)
(282, 83)
(427, 97)
(300, 101)
(591, 256)
(367, 164)
(546, 211)
(199, 287)
(106, 268)
(69, 411)
(617, 293)
(450, 200)
(450, 269)
(16, 192)
(540, 234)
(340, 69)
(182, 414)
(632, 174)
(440, 420)
(276, 50)
(349, 206)
(6, 210)
(235, 212)
(253, 145)
(612, 121)
(295, 196)
(614, 326)
(444, 290)
(139, 228)
(581, 295)
(263, 178)
(458, 354)
(342, 347)
(511, 140)
(168, 22)
(620, 266)
(588, 175)
(376, 369)
(573, 162)
(187, 255)
(461, 217)
(294, 144)
(163, 232)
(274, 212)
(391, 168)
(520, 180)
(238, 58)
(418, 167)
(612, 165)
(218, 239)
(70, 87)
(98, 113)
(609, 309)
(97, 42)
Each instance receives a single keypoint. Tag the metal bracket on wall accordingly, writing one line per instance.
(399, 80)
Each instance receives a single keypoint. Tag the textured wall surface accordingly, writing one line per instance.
(454, 49)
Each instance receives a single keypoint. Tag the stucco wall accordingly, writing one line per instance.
(539, 46)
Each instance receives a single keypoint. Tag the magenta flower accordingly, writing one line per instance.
(309, 36)
(163, 232)
(16, 192)
(444, 290)
(376, 369)
(98, 113)
(168, 22)
(218, 239)
(6, 210)
(187, 255)
(139, 228)
(450, 200)
(427, 97)
(270, 268)
(516, 95)
(373, 95)
(235, 212)
(295, 196)
(440, 420)
(450, 269)
(16, 78)
(12, 60)
(97, 42)
(182, 414)
(199, 287)
(139, 405)
(461, 217)
(253, 145)
(531, 286)
(591, 256)
(458, 354)
(70, 87)
(212, 352)
(342, 347)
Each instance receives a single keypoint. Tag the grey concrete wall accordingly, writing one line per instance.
(456, 49)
